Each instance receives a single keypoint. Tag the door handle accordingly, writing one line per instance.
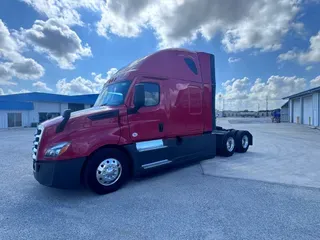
(160, 127)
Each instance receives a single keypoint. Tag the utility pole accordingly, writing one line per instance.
(267, 101)
(222, 104)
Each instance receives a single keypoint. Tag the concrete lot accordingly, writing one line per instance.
(179, 204)
(282, 153)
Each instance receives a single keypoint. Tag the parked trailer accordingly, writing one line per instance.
(156, 112)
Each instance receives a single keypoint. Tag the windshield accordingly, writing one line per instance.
(113, 94)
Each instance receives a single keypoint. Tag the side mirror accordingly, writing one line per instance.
(67, 113)
(139, 96)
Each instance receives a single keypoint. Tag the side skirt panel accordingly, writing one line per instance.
(160, 153)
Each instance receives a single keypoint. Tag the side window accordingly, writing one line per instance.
(191, 65)
(152, 94)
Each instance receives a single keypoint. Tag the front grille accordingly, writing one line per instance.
(36, 142)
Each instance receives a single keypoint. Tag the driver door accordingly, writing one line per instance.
(149, 122)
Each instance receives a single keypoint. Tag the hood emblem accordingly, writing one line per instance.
(134, 134)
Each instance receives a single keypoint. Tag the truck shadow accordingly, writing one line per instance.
(238, 158)
(85, 193)
(165, 170)
(50, 194)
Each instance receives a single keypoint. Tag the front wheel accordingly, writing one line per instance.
(107, 170)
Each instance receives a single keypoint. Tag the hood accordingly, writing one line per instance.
(91, 111)
(82, 115)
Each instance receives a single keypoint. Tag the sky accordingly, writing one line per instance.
(264, 49)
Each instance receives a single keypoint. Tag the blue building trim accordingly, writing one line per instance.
(13, 105)
(49, 97)
(300, 94)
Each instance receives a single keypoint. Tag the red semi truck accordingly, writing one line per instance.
(156, 112)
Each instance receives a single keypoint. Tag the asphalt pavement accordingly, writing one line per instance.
(182, 203)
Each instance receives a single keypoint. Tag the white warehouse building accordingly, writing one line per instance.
(304, 107)
(29, 109)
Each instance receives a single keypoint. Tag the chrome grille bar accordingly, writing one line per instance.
(36, 142)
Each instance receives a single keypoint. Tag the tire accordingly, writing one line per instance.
(242, 143)
(225, 150)
(106, 171)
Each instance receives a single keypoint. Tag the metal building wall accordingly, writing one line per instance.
(284, 114)
(46, 107)
(306, 109)
(290, 110)
(316, 109)
(4, 118)
(307, 105)
(296, 110)
(63, 107)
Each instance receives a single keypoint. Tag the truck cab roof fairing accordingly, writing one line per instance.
(167, 63)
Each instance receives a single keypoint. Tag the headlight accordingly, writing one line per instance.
(57, 150)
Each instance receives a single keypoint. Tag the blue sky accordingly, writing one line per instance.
(262, 48)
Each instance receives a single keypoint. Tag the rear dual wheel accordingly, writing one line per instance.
(228, 145)
(242, 141)
(234, 141)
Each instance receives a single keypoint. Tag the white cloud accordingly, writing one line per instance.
(5, 74)
(23, 68)
(299, 28)
(27, 68)
(65, 10)
(241, 94)
(78, 85)
(263, 26)
(99, 79)
(15, 92)
(125, 18)
(277, 87)
(290, 55)
(233, 59)
(7, 43)
(111, 72)
(312, 55)
(42, 86)
(315, 82)
(81, 85)
(15, 65)
(236, 88)
(244, 24)
(308, 68)
(57, 40)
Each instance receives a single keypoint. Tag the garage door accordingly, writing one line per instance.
(307, 110)
(296, 111)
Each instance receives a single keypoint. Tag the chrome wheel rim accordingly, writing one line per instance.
(108, 171)
(230, 144)
(245, 141)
